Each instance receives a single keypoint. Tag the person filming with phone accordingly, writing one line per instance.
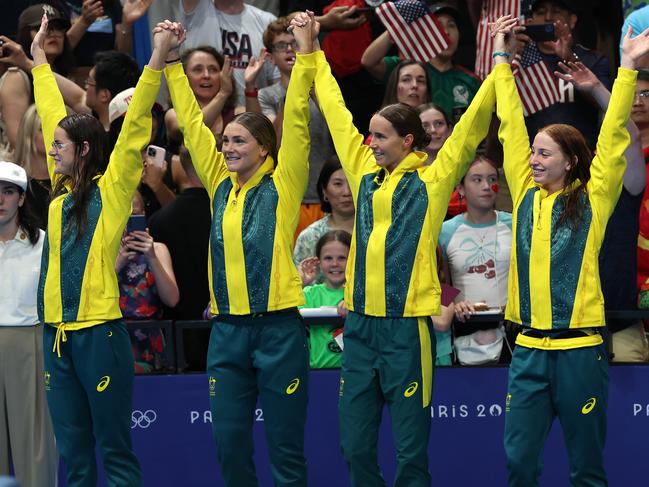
(552, 30)
(144, 270)
(146, 282)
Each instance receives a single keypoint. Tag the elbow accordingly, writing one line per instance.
(365, 61)
(441, 325)
(171, 296)
(175, 297)
(370, 63)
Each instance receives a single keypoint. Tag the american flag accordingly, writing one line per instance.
(491, 11)
(416, 32)
(536, 84)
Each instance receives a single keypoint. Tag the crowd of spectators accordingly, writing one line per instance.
(238, 57)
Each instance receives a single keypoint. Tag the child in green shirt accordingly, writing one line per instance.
(331, 251)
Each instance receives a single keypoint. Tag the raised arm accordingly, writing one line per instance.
(14, 100)
(586, 81)
(73, 95)
(373, 57)
(213, 109)
(607, 167)
(198, 138)
(91, 10)
(49, 102)
(512, 132)
(354, 155)
(293, 158)
(255, 66)
(124, 169)
(457, 153)
(132, 11)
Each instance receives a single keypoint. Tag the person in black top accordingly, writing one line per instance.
(184, 227)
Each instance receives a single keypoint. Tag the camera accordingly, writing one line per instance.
(540, 32)
(151, 151)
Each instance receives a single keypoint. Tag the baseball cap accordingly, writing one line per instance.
(13, 173)
(119, 104)
(31, 16)
(565, 4)
(445, 8)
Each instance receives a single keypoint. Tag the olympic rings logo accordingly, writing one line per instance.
(143, 419)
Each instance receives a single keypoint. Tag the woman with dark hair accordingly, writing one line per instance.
(26, 436)
(258, 344)
(88, 358)
(337, 204)
(407, 84)
(57, 48)
(210, 78)
(563, 198)
(392, 285)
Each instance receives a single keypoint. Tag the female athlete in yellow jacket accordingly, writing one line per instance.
(258, 342)
(88, 357)
(563, 198)
(392, 286)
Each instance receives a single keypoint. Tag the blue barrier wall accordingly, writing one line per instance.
(172, 435)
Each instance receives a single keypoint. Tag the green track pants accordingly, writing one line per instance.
(386, 361)
(89, 393)
(267, 357)
(571, 385)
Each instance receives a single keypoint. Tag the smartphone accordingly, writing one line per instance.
(157, 155)
(136, 223)
(540, 32)
(362, 10)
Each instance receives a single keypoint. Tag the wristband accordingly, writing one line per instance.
(500, 53)
(172, 60)
(251, 93)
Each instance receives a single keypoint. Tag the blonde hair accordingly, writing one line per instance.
(25, 149)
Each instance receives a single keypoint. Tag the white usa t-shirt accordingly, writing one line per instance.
(239, 36)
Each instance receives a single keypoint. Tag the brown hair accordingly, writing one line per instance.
(434, 106)
(476, 161)
(574, 148)
(275, 28)
(261, 129)
(330, 166)
(405, 120)
(341, 236)
(390, 96)
(220, 59)
(83, 128)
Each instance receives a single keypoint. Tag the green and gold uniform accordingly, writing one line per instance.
(392, 285)
(560, 366)
(88, 357)
(258, 342)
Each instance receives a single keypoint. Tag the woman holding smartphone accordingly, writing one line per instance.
(258, 342)
(392, 286)
(563, 198)
(88, 358)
